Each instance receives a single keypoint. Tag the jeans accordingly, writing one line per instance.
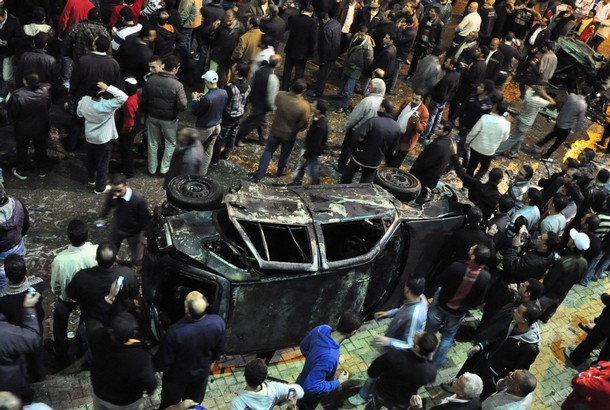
(448, 324)
(597, 267)
(347, 91)
(312, 164)
(158, 131)
(18, 249)
(559, 134)
(98, 159)
(208, 140)
(226, 139)
(7, 68)
(272, 144)
(61, 315)
(397, 67)
(513, 143)
(435, 110)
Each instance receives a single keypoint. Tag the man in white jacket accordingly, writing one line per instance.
(485, 138)
(100, 130)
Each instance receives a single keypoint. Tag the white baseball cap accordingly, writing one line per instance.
(581, 240)
(210, 76)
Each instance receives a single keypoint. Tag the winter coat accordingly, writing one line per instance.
(12, 33)
(163, 97)
(329, 44)
(40, 62)
(375, 140)
(531, 264)
(167, 37)
(224, 41)
(430, 165)
(291, 116)
(303, 37)
(427, 74)
(89, 70)
(411, 135)
(17, 341)
(29, 110)
(248, 46)
(359, 57)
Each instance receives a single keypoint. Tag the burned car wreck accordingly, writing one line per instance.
(276, 261)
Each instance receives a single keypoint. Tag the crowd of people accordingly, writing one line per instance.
(119, 70)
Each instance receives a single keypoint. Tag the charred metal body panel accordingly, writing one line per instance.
(277, 261)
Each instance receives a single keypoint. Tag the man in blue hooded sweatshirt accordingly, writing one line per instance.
(321, 348)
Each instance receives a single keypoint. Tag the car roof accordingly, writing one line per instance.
(306, 204)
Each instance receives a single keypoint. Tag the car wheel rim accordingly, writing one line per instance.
(195, 189)
(398, 179)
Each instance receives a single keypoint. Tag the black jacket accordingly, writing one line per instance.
(404, 42)
(563, 274)
(12, 33)
(40, 62)
(451, 279)
(543, 37)
(89, 70)
(519, 268)
(483, 195)
(376, 139)
(363, 18)
(386, 59)
(224, 40)
(165, 41)
(329, 44)
(317, 134)
(302, 39)
(258, 94)
(494, 65)
(275, 27)
(211, 12)
(120, 374)
(431, 163)
(430, 35)
(139, 54)
(446, 88)
(465, 238)
(488, 20)
(510, 54)
(29, 110)
(163, 97)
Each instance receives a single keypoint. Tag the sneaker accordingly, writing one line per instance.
(18, 175)
(341, 110)
(91, 184)
(567, 352)
(107, 189)
(356, 400)
(42, 174)
(548, 160)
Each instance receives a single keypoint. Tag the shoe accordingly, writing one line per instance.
(547, 160)
(447, 387)
(341, 110)
(107, 189)
(18, 175)
(356, 400)
(92, 184)
(512, 155)
(567, 352)
(239, 144)
(42, 174)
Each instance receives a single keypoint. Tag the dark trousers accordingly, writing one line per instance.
(98, 158)
(346, 150)
(606, 135)
(22, 143)
(126, 151)
(350, 170)
(134, 241)
(257, 119)
(595, 42)
(323, 74)
(584, 349)
(226, 139)
(299, 71)
(398, 158)
(74, 131)
(61, 315)
(559, 134)
(419, 51)
(176, 389)
(476, 159)
(272, 145)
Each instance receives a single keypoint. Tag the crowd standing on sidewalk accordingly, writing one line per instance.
(118, 72)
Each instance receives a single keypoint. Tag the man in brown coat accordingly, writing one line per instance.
(292, 116)
(248, 45)
(412, 119)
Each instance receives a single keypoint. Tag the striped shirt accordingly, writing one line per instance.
(407, 320)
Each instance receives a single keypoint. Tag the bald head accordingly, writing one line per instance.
(195, 304)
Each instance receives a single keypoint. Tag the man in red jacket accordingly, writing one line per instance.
(591, 389)
(73, 12)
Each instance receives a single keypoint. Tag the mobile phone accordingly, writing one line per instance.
(523, 233)
(291, 394)
(31, 291)
(119, 282)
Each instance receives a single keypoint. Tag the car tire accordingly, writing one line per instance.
(404, 186)
(194, 193)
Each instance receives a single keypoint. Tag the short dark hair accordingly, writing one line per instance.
(603, 175)
(190, 134)
(559, 202)
(171, 62)
(14, 267)
(105, 255)
(322, 106)
(529, 171)
(535, 288)
(299, 86)
(495, 175)
(438, 51)
(118, 179)
(94, 15)
(474, 215)
(123, 327)
(534, 195)
(489, 86)
(482, 254)
(592, 221)
(323, 15)
(32, 79)
(553, 242)
(130, 89)
(127, 13)
(572, 163)
(255, 372)
(242, 69)
(427, 343)
(588, 153)
(77, 232)
(387, 105)
(572, 190)
(254, 21)
(38, 14)
(505, 203)
(416, 285)
(309, 8)
(532, 312)
(349, 322)
(102, 44)
(40, 40)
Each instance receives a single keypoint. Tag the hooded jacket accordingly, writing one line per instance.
(14, 223)
(322, 359)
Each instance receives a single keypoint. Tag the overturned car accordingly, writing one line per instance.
(276, 261)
